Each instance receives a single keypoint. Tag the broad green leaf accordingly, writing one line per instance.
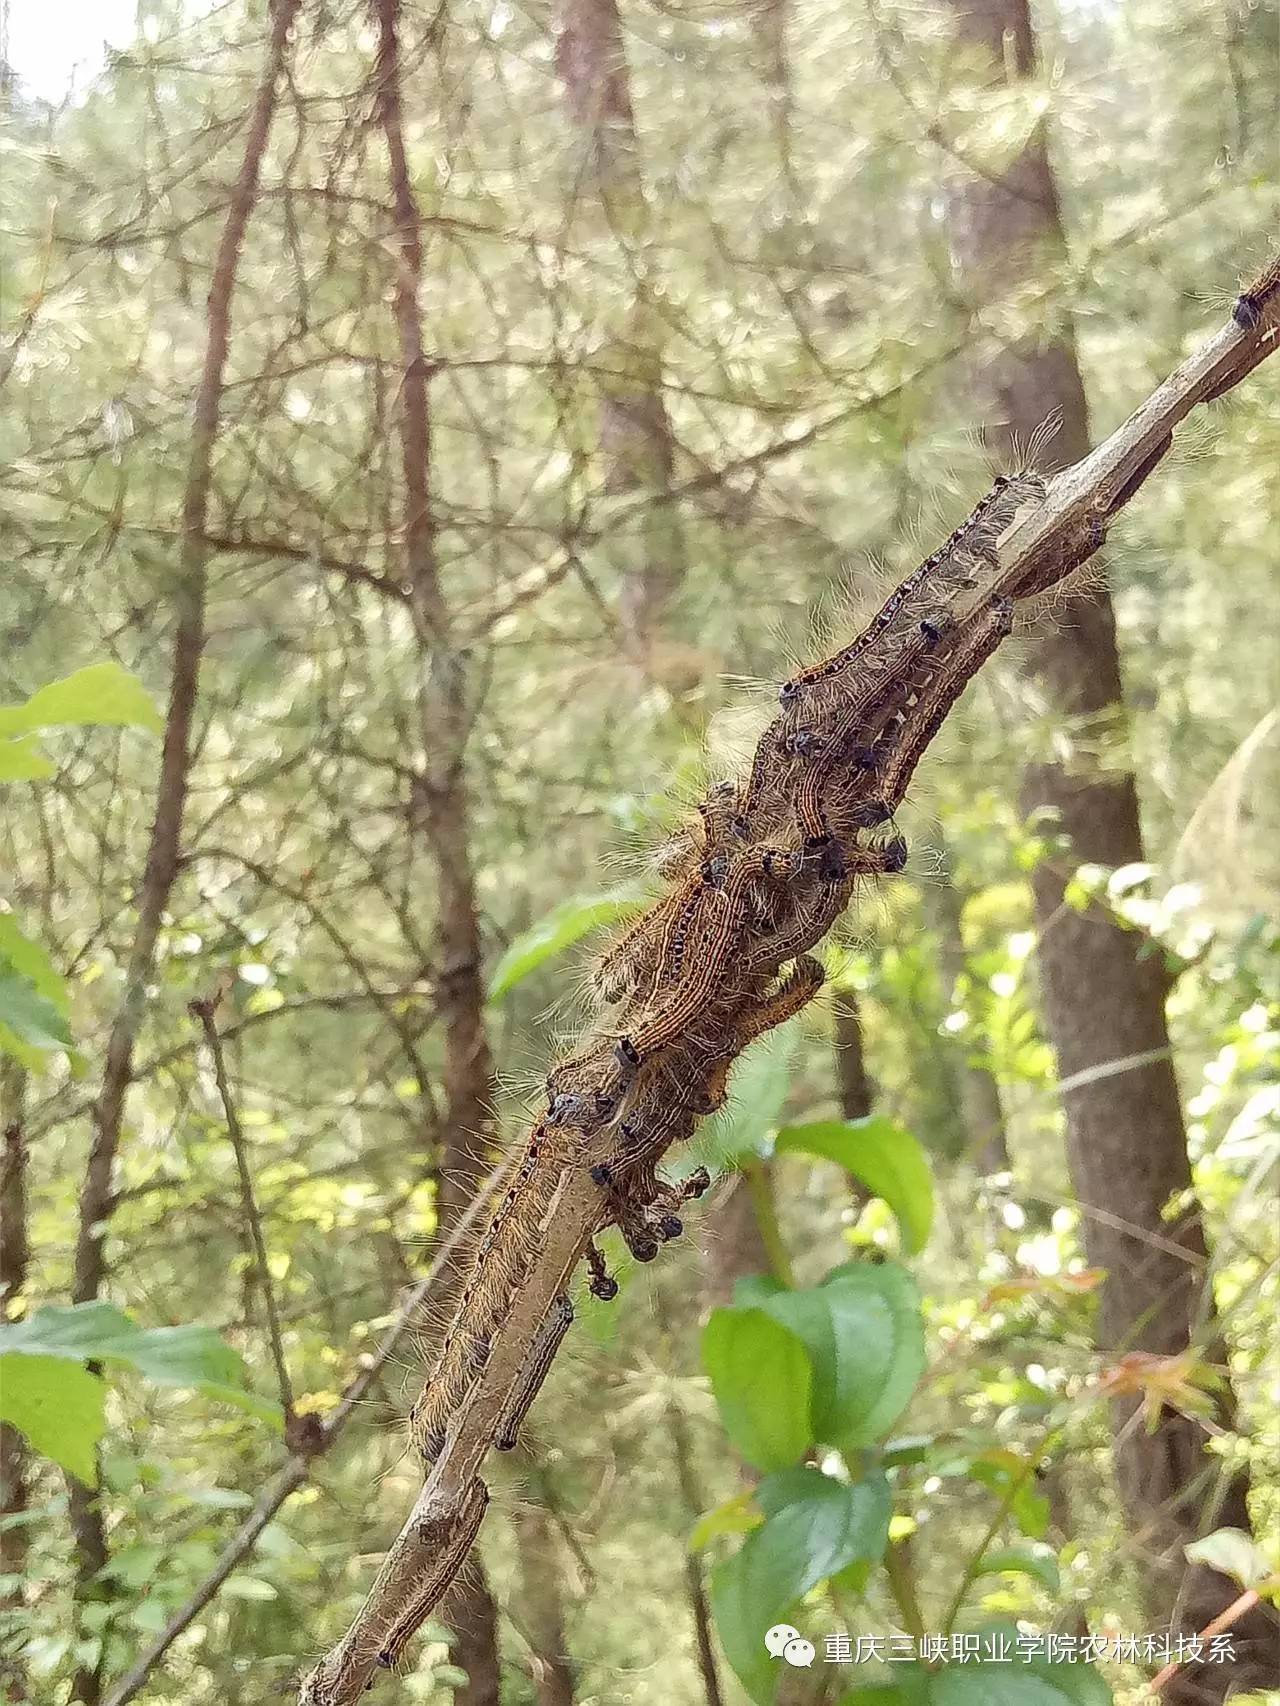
(761, 1378)
(33, 999)
(171, 1356)
(102, 694)
(560, 929)
(30, 959)
(886, 1157)
(1234, 1553)
(815, 1528)
(30, 1016)
(58, 1405)
(1037, 1561)
(22, 760)
(865, 1337)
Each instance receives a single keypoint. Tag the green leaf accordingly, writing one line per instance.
(1017, 1684)
(170, 1356)
(865, 1337)
(560, 929)
(33, 999)
(30, 1017)
(248, 1587)
(104, 694)
(1037, 1561)
(761, 1378)
(22, 760)
(886, 1157)
(60, 1407)
(988, 1682)
(815, 1528)
(1234, 1553)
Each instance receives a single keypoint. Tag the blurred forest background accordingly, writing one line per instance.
(585, 364)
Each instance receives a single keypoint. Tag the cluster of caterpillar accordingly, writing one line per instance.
(755, 879)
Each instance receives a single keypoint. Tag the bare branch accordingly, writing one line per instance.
(297, 1470)
(892, 687)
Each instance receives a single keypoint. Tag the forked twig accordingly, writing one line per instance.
(756, 881)
(296, 1470)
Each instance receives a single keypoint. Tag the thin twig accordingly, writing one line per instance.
(204, 1011)
(297, 1469)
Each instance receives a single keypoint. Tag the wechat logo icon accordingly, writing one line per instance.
(784, 1642)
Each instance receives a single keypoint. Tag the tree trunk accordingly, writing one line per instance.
(542, 1605)
(14, 1256)
(441, 807)
(1103, 1000)
(978, 1093)
(856, 1092)
(635, 431)
(97, 1196)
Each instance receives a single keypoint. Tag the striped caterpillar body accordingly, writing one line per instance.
(502, 1257)
(971, 544)
(715, 931)
(916, 608)
(849, 745)
(935, 704)
(551, 1334)
(452, 1536)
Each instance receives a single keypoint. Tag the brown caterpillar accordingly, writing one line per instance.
(453, 1536)
(586, 1091)
(995, 625)
(851, 739)
(502, 1257)
(559, 1319)
(635, 960)
(720, 924)
(601, 1284)
(974, 539)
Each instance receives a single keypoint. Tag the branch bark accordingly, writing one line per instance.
(1056, 536)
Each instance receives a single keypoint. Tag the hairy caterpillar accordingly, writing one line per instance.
(717, 927)
(601, 1283)
(971, 544)
(510, 1243)
(453, 1535)
(551, 1334)
(852, 741)
(995, 625)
